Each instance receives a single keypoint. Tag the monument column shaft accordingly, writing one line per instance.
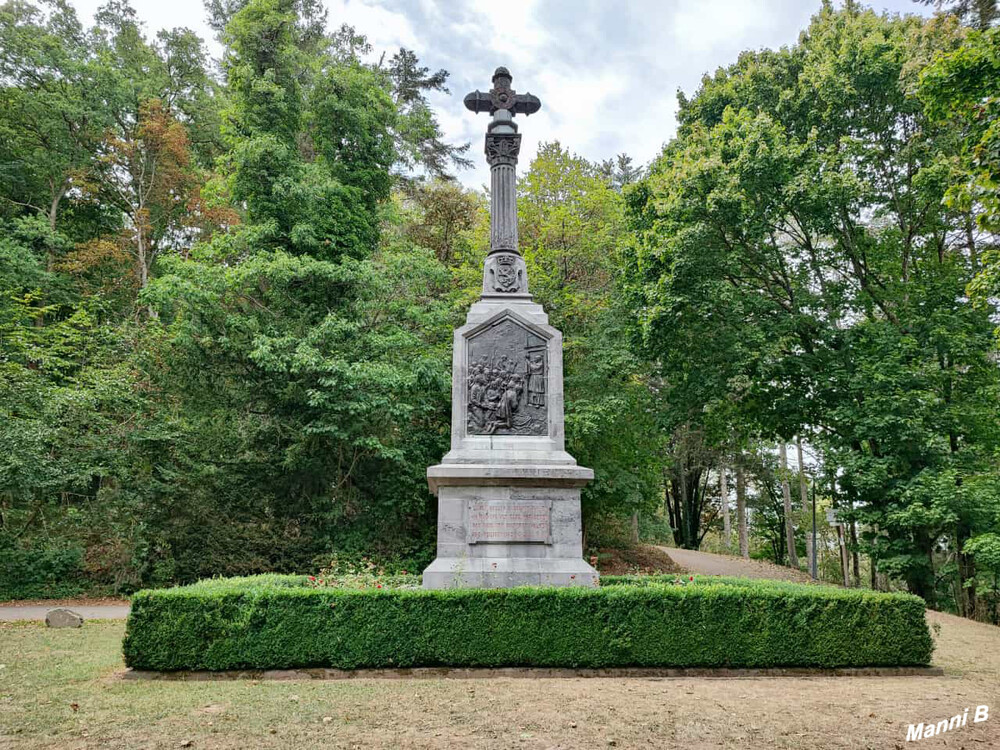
(503, 208)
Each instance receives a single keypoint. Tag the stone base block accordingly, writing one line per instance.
(501, 573)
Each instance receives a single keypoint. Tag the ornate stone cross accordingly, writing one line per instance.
(504, 273)
(502, 96)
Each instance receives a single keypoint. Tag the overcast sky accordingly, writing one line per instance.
(607, 71)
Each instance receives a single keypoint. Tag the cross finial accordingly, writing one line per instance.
(502, 96)
(504, 273)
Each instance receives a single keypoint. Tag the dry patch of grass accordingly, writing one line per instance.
(63, 689)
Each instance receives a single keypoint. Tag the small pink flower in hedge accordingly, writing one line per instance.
(691, 578)
(378, 586)
(404, 572)
(312, 578)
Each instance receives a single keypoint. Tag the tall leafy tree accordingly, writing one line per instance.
(794, 266)
(959, 89)
(418, 135)
(51, 117)
(306, 354)
(980, 14)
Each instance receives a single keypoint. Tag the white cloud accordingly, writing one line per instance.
(386, 29)
(702, 26)
(607, 71)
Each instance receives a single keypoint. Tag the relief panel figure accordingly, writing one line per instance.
(506, 376)
(535, 364)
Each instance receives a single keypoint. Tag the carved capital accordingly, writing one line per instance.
(502, 148)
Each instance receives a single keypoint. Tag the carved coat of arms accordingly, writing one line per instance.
(507, 274)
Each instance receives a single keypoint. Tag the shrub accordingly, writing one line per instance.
(365, 574)
(40, 573)
(274, 622)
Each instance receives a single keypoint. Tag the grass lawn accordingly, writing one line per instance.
(63, 689)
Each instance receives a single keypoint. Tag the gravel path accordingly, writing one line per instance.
(707, 563)
(87, 611)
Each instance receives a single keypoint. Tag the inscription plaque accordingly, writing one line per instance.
(510, 521)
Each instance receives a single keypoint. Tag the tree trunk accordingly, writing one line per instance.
(855, 554)
(844, 563)
(635, 527)
(804, 492)
(727, 531)
(966, 599)
(970, 238)
(786, 494)
(673, 508)
(686, 521)
(741, 512)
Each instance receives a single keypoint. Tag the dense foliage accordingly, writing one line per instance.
(276, 624)
(227, 291)
(226, 305)
(796, 270)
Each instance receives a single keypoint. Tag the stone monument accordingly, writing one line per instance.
(508, 492)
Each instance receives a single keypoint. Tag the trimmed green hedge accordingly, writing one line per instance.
(273, 622)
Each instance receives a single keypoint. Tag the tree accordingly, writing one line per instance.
(309, 20)
(985, 550)
(620, 172)
(959, 90)
(686, 486)
(51, 119)
(146, 173)
(804, 497)
(980, 14)
(794, 267)
(418, 135)
(727, 532)
(324, 346)
(446, 213)
(741, 512)
(786, 495)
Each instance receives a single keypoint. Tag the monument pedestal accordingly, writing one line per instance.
(512, 525)
(508, 492)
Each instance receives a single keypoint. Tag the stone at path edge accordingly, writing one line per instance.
(63, 618)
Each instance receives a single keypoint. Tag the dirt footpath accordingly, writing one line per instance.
(710, 564)
(13, 612)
